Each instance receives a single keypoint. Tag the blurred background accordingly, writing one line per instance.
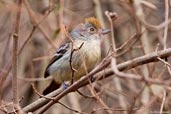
(139, 29)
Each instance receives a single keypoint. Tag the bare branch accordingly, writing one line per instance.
(73, 110)
(108, 72)
(15, 59)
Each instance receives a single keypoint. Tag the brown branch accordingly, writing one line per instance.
(163, 101)
(85, 96)
(15, 58)
(101, 102)
(101, 75)
(34, 79)
(4, 110)
(67, 33)
(26, 41)
(73, 110)
(21, 49)
(39, 94)
(111, 109)
(41, 101)
(166, 20)
(135, 99)
(128, 44)
(110, 16)
(147, 105)
(72, 51)
(164, 62)
(37, 24)
(70, 61)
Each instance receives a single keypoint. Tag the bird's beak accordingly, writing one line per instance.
(104, 31)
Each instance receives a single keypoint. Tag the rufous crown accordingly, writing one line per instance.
(95, 22)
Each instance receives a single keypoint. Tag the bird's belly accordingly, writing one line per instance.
(82, 61)
(86, 61)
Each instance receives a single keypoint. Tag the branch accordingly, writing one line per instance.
(17, 108)
(15, 57)
(153, 57)
(35, 23)
(70, 61)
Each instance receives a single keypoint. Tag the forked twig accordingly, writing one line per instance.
(70, 61)
(39, 94)
(86, 96)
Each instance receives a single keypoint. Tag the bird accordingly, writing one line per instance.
(87, 38)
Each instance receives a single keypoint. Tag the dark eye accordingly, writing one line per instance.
(92, 30)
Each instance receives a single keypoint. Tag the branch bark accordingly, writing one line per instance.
(58, 94)
(15, 55)
(17, 107)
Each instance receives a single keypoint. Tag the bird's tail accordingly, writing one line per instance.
(53, 86)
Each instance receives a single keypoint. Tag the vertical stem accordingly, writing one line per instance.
(166, 20)
(111, 16)
(15, 54)
(14, 68)
(163, 101)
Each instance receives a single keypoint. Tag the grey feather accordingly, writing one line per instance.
(59, 54)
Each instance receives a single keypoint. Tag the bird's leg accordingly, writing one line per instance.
(64, 85)
(92, 79)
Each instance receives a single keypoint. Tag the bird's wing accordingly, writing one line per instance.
(60, 52)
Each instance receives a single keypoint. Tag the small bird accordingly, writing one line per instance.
(87, 41)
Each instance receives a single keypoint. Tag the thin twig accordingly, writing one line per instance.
(23, 45)
(70, 61)
(127, 42)
(34, 79)
(147, 105)
(5, 105)
(76, 111)
(84, 95)
(27, 39)
(163, 61)
(4, 110)
(166, 20)
(163, 101)
(135, 99)
(166, 29)
(149, 5)
(73, 45)
(111, 109)
(67, 34)
(155, 27)
(35, 23)
(39, 94)
(110, 16)
(97, 97)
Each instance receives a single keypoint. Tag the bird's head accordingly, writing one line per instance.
(91, 29)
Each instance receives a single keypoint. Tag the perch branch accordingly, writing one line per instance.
(108, 72)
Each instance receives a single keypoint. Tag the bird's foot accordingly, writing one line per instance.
(92, 79)
(64, 85)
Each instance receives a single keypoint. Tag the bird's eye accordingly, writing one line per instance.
(92, 30)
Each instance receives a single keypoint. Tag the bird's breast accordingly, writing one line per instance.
(88, 56)
(90, 53)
